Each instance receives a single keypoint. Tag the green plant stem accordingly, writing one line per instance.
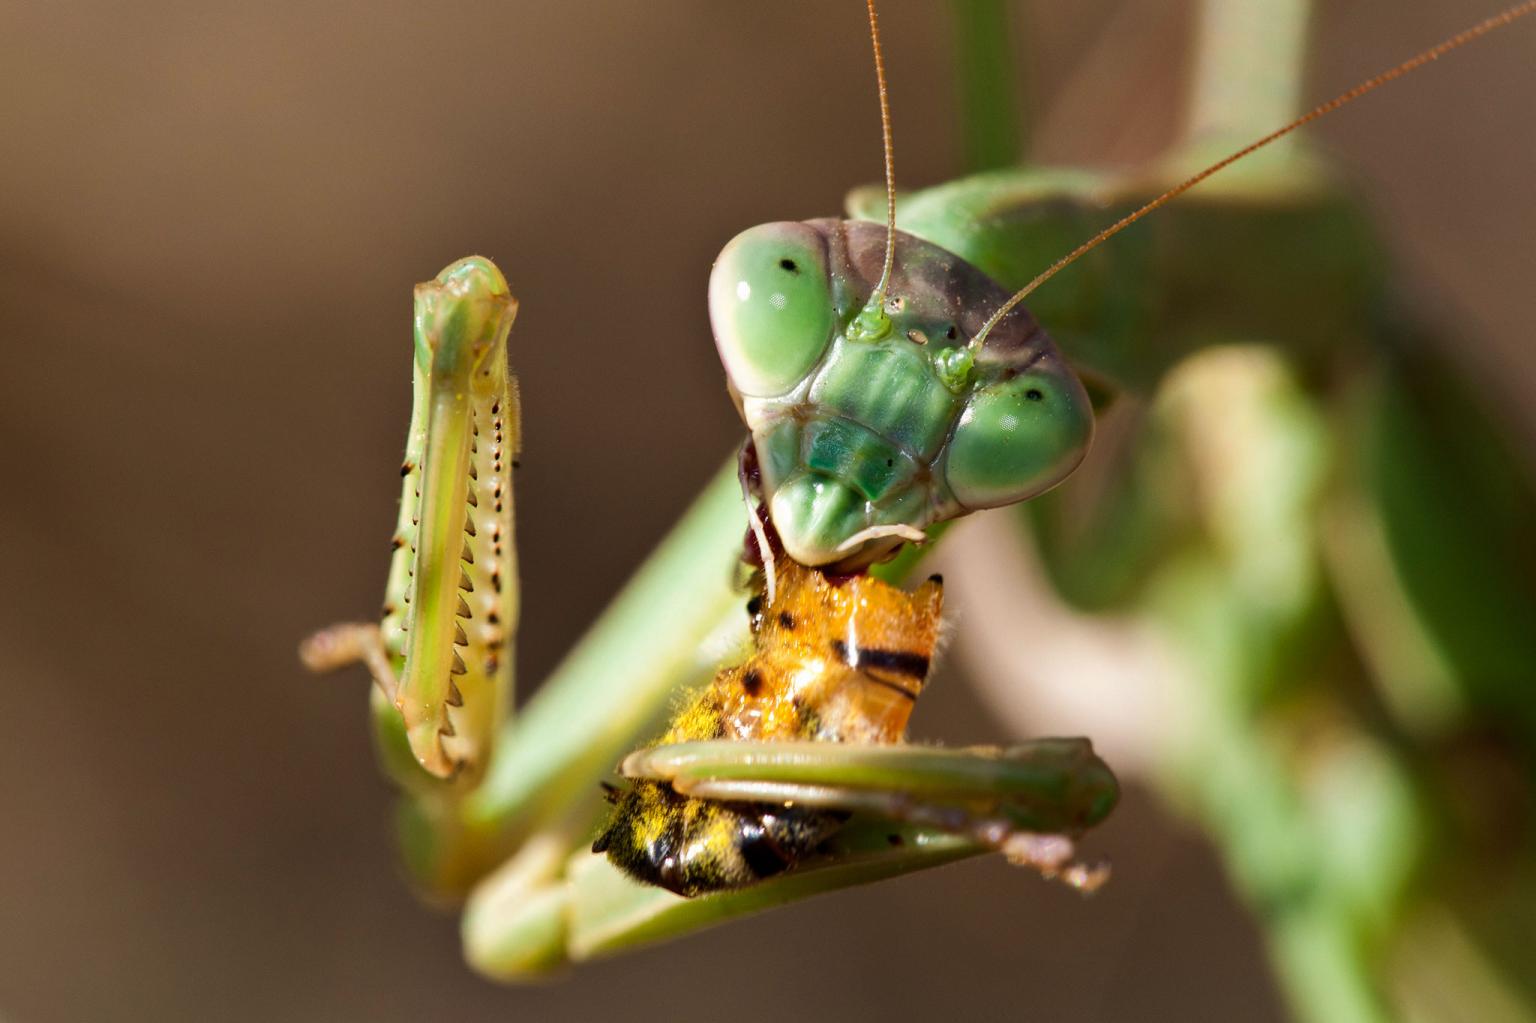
(991, 124)
(1247, 80)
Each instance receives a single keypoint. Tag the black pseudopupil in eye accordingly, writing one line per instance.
(789, 264)
(1033, 394)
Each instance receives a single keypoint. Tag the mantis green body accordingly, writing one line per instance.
(442, 672)
(512, 834)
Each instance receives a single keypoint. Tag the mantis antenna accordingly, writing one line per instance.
(872, 323)
(890, 155)
(1411, 64)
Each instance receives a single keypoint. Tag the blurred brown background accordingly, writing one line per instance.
(210, 219)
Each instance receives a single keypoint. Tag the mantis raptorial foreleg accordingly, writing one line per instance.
(1024, 801)
(442, 652)
(912, 808)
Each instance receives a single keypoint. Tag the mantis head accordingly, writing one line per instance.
(866, 438)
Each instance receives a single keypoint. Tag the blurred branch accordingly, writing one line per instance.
(1249, 63)
(991, 123)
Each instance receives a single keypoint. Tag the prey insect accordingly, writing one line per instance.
(836, 661)
(871, 423)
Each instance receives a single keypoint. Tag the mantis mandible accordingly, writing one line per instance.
(468, 812)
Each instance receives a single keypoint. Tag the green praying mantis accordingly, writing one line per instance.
(442, 672)
(502, 811)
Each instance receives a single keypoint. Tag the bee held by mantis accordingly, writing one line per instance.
(889, 386)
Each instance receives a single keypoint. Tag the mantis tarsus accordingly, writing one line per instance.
(481, 833)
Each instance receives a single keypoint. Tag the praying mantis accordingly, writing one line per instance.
(537, 793)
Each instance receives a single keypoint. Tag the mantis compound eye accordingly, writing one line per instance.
(1019, 437)
(770, 305)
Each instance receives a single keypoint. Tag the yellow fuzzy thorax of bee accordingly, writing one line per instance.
(839, 659)
(834, 659)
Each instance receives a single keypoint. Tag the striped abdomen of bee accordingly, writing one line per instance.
(835, 659)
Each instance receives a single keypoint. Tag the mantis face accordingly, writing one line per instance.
(866, 440)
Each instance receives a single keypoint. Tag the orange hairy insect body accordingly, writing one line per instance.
(840, 660)
(835, 659)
